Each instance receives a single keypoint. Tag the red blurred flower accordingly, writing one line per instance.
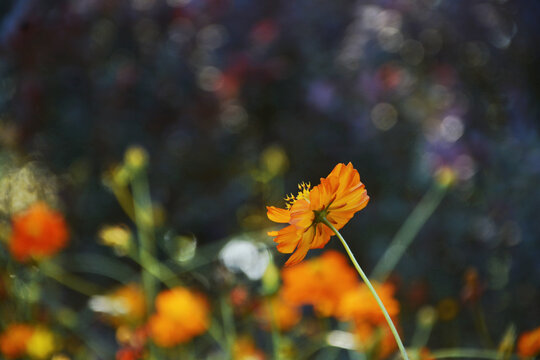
(37, 232)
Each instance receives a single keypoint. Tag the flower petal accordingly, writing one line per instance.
(303, 247)
(278, 215)
(287, 239)
(286, 247)
(322, 236)
(301, 214)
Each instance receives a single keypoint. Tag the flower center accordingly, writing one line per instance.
(319, 215)
(303, 193)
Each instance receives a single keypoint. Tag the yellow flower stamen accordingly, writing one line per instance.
(303, 193)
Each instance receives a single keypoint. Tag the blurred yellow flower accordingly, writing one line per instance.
(136, 157)
(320, 282)
(181, 314)
(274, 160)
(445, 176)
(448, 309)
(339, 196)
(528, 344)
(41, 344)
(117, 237)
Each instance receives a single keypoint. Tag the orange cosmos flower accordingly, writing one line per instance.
(320, 282)
(39, 231)
(181, 315)
(337, 198)
(377, 340)
(123, 306)
(129, 354)
(360, 306)
(425, 354)
(14, 339)
(529, 343)
(244, 349)
(285, 315)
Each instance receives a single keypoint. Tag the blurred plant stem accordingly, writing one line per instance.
(370, 287)
(328, 353)
(409, 230)
(425, 320)
(228, 325)
(276, 336)
(480, 324)
(153, 268)
(466, 353)
(144, 221)
(124, 198)
(71, 281)
(100, 265)
(507, 342)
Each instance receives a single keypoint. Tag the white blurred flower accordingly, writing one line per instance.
(244, 256)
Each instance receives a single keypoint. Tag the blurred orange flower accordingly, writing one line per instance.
(320, 282)
(338, 197)
(181, 314)
(244, 349)
(14, 339)
(360, 306)
(529, 343)
(425, 354)
(128, 303)
(129, 354)
(131, 299)
(375, 339)
(284, 313)
(37, 232)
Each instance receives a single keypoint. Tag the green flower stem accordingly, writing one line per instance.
(276, 336)
(100, 265)
(228, 325)
(55, 272)
(142, 206)
(370, 287)
(144, 220)
(465, 353)
(425, 320)
(408, 231)
(153, 267)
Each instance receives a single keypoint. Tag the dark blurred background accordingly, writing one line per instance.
(221, 91)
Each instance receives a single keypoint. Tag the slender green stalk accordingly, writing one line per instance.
(480, 324)
(144, 220)
(145, 226)
(71, 281)
(98, 264)
(408, 231)
(276, 336)
(217, 333)
(465, 353)
(425, 320)
(153, 267)
(370, 287)
(228, 325)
